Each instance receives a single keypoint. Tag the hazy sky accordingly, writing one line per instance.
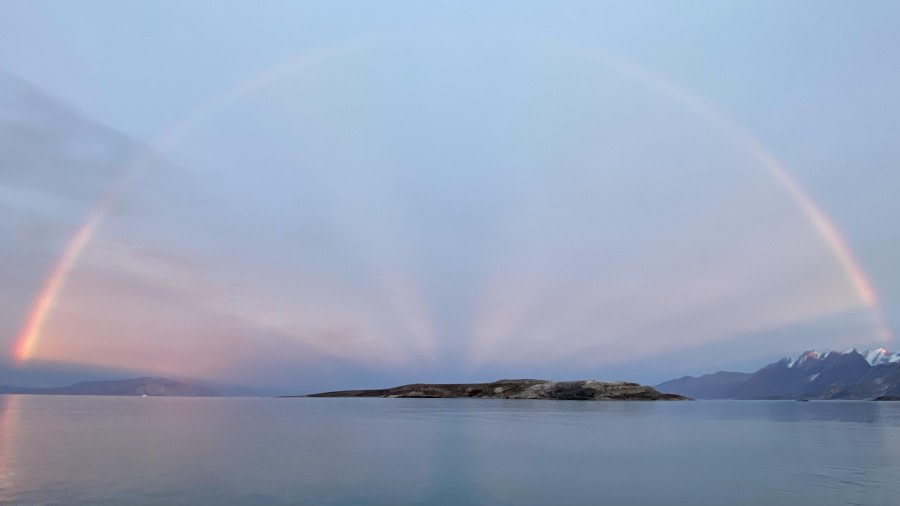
(325, 194)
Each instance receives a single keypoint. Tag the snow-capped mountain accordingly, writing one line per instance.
(803, 358)
(811, 375)
(881, 356)
(874, 357)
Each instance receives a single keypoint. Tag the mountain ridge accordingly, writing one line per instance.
(850, 375)
(150, 386)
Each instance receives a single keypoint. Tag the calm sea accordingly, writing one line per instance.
(116, 450)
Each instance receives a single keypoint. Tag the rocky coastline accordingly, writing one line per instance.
(587, 390)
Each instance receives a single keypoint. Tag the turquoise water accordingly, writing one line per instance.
(115, 450)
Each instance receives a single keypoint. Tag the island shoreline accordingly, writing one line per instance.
(524, 389)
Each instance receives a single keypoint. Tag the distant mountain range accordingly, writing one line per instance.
(812, 375)
(136, 387)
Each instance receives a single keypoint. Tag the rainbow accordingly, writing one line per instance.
(28, 338)
(43, 303)
(825, 227)
(30, 335)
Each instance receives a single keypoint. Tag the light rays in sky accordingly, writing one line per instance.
(390, 317)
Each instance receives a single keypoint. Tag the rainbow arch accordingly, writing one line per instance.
(31, 331)
(815, 215)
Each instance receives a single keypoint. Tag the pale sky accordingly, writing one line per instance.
(306, 195)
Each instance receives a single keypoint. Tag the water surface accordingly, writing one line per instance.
(154, 450)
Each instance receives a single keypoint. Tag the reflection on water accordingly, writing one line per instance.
(106, 450)
(793, 411)
(9, 406)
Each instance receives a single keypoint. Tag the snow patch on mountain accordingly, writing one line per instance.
(881, 356)
(874, 357)
(809, 355)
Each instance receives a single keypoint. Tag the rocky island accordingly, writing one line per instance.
(588, 390)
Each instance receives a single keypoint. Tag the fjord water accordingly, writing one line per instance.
(118, 450)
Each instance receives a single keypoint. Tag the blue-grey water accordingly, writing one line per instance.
(118, 450)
